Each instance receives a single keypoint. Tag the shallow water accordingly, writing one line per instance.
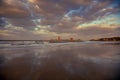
(61, 61)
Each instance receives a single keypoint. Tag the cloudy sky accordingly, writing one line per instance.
(47, 19)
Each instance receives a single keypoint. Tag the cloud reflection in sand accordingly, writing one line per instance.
(61, 62)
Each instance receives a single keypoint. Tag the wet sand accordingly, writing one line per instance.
(71, 61)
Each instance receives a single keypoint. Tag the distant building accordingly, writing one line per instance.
(71, 39)
(59, 39)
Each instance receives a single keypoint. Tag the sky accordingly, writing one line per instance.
(47, 19)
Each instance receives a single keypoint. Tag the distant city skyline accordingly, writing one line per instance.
(48, 19)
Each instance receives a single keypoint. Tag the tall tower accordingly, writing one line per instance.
(71, 39)
(59, 39)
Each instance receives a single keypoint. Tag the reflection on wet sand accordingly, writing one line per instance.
(61, 62)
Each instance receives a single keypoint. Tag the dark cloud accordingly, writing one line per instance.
(13, 12)
(62, 15)
(51, 8)
(1, 2)
(2, 22)
(27, 23)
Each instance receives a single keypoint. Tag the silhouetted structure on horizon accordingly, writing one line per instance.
(71, 39)
(107, 39)
(59, 39)
(28, 42)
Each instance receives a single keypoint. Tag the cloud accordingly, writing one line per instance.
(2, 22)
(68, 17)
(26, 23)
(19, 33)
